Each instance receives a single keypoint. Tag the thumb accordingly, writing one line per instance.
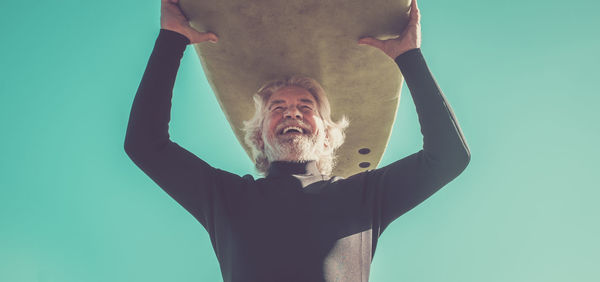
(211, 37)
(371, 41)
(198, 37)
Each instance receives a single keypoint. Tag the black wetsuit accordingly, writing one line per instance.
(294, 224)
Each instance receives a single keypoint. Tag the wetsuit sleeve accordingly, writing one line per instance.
(190, 181)
(407, 182)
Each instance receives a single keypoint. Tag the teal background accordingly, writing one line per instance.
(521, 77)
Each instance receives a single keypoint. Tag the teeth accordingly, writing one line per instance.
(287, 129)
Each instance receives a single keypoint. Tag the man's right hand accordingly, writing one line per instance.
(408, 40)
(172, 18)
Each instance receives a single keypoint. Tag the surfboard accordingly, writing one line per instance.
(262, 40)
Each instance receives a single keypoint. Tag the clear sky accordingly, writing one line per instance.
(521, 77)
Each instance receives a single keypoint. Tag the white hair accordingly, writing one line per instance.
(334, 131)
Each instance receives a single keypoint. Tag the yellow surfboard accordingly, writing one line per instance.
(262, 40)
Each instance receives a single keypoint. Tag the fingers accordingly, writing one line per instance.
(415, 14)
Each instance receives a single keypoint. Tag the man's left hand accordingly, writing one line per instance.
(408, 40)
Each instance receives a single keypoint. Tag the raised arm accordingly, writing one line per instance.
(185, 177)
(404, 184)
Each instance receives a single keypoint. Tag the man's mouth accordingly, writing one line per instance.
(292, 130)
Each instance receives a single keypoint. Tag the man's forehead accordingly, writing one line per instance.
(292, 93)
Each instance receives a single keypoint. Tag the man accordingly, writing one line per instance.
(297, 223)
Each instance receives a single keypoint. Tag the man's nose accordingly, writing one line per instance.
(292, 112)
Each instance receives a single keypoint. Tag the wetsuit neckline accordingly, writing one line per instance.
(283, 168)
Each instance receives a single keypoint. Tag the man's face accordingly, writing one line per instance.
(293, 129)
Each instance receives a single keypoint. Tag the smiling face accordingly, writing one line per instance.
(293, 129)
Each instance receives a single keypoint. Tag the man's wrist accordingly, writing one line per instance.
(407, 53)
(175, 36)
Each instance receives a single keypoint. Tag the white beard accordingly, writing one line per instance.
(296, 148)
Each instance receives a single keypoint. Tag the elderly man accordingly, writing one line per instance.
(298, 223)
